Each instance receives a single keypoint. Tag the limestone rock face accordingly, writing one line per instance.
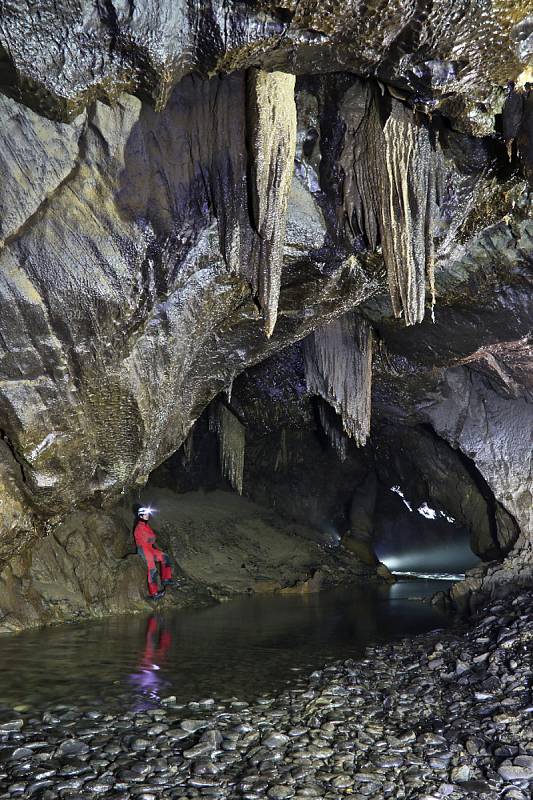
(456, 54)
(83, 569)
(36, 157)
(19, 525)
(129, 292)
(496, 432)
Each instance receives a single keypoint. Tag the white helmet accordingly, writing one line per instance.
(145, 510)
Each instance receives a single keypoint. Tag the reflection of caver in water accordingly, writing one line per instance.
(146, 547)
(157, 643)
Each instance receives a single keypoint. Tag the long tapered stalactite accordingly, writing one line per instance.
(271, 114)
(338, 366)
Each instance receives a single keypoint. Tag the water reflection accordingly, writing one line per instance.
(243, 648)
(147, 681)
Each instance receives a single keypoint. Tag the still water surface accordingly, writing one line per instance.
(242, 648)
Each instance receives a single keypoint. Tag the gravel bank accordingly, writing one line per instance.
(443, 715)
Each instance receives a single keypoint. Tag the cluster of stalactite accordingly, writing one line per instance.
(338, 367)
(231, 435)
(243, 142)
(390, 194)
(271, 113)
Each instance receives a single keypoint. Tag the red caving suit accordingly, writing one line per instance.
(144, 537)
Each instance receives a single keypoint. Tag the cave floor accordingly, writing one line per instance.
(443, 713)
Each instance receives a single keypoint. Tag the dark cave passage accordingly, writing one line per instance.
(422, 541)
(407, 499)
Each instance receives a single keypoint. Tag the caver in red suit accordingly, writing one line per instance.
(146, 547)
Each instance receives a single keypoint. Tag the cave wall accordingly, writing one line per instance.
(426, 469)
(493, 430)
(220, 545)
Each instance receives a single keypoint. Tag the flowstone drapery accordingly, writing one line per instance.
(391, 173)
(338, 366)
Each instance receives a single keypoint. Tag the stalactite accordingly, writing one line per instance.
(338, 366)
(271, 114)
(407, 217)
(362, 190)
(188, 447)
(231, 444)
(282, 458)
(390, 187)
(329, 421)
(229, 390)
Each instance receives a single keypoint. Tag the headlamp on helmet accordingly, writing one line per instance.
(145, 510)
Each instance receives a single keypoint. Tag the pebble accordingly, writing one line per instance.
(476, 787)
(200, 749)
(459, 774)
(11, 725)
(72, 747)
(442, 715)
(342, 781)
(280, 792)
(275, 740)
(21, 752)
(514, 772)
(193, 725)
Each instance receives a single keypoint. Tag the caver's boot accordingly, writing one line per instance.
(158, 595)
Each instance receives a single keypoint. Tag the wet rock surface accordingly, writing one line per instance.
(446, 714)
(453, 55)
(143, 254)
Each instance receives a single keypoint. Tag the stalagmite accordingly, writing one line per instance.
(338, 366)
(390, 187)
(271, 114)
(231, 444)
